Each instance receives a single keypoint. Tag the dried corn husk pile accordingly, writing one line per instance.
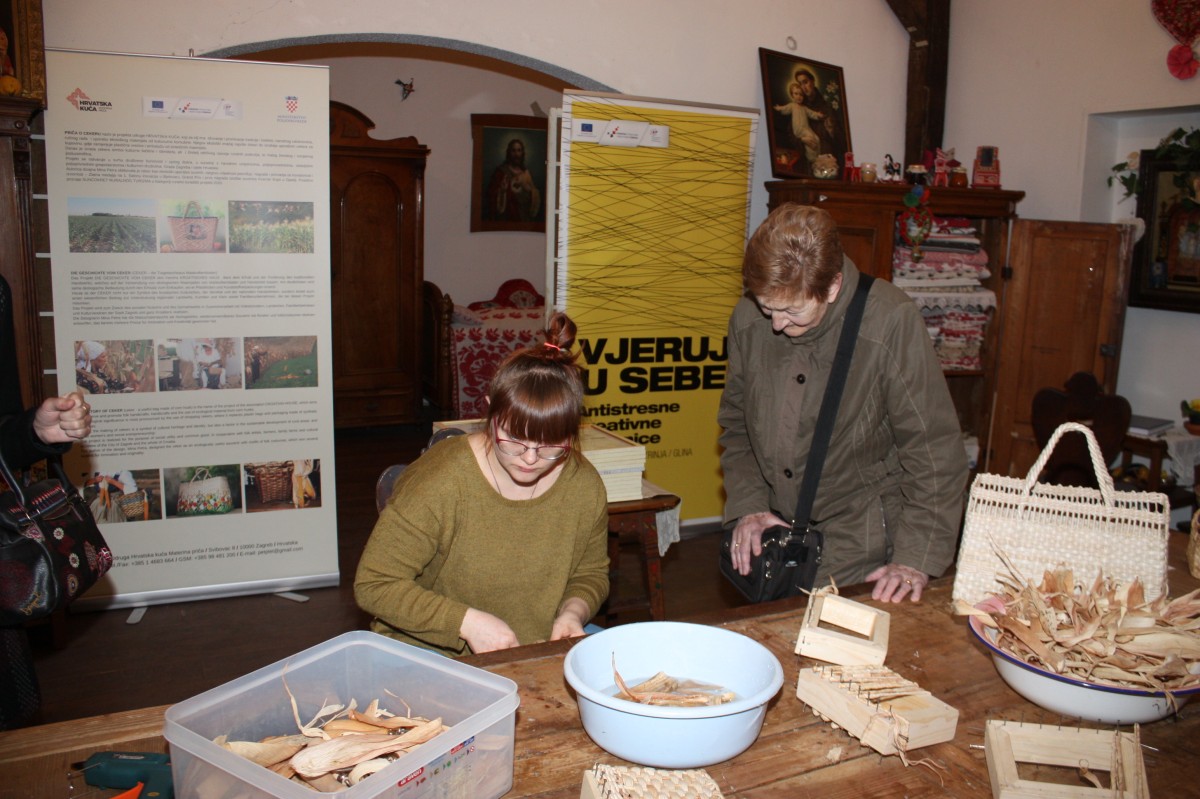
(1104, 633)
(662, 689)
(340, 747)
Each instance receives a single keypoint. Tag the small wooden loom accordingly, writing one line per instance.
(1007, 743)
(877, 706)
(867, 646)
(628, 782)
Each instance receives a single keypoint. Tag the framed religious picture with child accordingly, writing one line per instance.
(805, 104)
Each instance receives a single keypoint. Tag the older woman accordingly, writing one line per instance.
(499, 537)
(890, 497)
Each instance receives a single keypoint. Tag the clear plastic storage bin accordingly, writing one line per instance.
(474, 758)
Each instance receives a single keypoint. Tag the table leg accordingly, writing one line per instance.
(641, 526)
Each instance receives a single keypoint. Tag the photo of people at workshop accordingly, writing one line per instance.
(196, 364)
(114, 367)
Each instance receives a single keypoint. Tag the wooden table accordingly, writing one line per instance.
(796, 755)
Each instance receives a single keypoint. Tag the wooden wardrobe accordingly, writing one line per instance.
(376, 265)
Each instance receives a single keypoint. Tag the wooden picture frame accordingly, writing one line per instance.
(1166, 260)
(505, 194)
(21, 21)
(796, 134)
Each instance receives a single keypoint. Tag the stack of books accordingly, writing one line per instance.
(619, 460)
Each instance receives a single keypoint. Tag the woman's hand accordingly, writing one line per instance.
(62, 420)
(484, 632)
(571, 618)
(893, 582)
(747, 538)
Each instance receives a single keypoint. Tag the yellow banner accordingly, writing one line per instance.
(652, 230)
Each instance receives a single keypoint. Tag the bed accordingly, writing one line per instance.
(463, 345)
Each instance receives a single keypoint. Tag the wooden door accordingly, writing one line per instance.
(1062, 312)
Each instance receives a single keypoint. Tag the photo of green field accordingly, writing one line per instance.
(281, 362)
(112, 225)
(264, 226)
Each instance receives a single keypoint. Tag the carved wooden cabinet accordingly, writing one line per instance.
(1061, 293)
(376, 252)
(866, 217)
(18, 164)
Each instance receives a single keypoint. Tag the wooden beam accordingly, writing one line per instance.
(928, 26)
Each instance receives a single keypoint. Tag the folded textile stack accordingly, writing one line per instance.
(944, 278)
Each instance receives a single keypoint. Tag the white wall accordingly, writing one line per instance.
(1066, 89)
(1024, 75)
(698, 51)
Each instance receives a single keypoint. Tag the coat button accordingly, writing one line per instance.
(787, 473)
(800, 379)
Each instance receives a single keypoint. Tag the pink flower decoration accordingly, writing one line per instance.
(1181, 62)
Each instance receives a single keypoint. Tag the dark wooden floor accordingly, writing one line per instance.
(104, 664)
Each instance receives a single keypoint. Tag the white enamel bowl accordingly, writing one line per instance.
(672, 737)
(1108, 704)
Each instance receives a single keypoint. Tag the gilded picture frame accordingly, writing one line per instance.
(804, 104)
(25, 56)
(508, 176)
(1166, 260)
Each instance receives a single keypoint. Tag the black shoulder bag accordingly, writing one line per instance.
(51, 550)
(790, 555)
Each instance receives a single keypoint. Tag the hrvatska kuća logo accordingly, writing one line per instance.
(292, 103)
(82, 102)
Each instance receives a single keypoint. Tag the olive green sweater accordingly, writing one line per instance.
(447, 541)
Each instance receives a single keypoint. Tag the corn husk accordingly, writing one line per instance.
(662, 689)
(340, 746)
(1104, 632)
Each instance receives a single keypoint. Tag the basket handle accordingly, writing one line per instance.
(196, 474)
(192, 204)
(1103, 478)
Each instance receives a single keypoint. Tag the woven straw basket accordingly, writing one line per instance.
(135, 506)
(1039, 527)
(193, 233)
(274, 481)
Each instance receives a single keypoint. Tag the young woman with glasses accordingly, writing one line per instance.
(497, 538)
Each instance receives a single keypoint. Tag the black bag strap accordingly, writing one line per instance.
(830, 402)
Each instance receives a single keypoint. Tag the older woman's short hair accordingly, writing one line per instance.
(795, 253)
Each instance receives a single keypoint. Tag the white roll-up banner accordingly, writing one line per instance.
(189, 258)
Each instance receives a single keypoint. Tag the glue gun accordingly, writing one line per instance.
(147, 774)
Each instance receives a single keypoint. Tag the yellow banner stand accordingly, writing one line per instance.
(654, 209)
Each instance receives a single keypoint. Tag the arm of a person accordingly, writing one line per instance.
(19, 444)
(403, 543)
(745, 490)
(588, 586)
(929, 442)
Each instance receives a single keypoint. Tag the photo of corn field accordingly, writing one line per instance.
(99, 224)
(264, 226)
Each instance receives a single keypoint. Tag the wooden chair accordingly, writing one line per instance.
(1083, 401)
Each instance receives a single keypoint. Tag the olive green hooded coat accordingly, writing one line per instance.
(893, 483)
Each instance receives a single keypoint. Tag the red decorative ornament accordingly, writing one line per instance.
(1181, 61)
(1181, 19)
